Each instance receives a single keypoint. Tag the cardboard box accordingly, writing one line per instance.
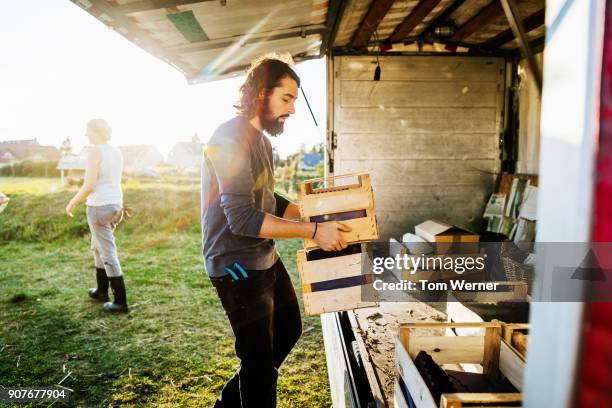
(445, 236)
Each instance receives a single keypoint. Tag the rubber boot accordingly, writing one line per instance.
(101, 292)
(120, 303)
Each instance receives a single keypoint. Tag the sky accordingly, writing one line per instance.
(60, 67)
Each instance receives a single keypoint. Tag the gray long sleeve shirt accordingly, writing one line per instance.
(237, 192)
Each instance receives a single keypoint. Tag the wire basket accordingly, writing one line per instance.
(512, 258)
(518, 271)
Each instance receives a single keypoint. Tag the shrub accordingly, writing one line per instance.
(30, 168)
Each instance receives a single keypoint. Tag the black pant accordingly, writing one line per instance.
(265, 318)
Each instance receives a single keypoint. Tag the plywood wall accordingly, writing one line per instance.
(427, 132)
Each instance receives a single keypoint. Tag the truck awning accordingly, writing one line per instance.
(213, 39)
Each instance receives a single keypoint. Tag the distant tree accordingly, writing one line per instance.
(66, 147)
(276, 156)
(320, 169)
(195, 138)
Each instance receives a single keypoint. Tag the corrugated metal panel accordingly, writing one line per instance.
(427, 132)
(354, 12)
(262, 26)
(237, 30)
(394, 17)
(468, 10)
(499, 24)
(221, 60)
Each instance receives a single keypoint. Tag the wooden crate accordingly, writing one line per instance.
(486, 351)
(335, 284)
(341, 200)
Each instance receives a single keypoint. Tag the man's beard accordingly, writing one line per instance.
(270, 124)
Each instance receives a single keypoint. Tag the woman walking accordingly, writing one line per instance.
(104, 198)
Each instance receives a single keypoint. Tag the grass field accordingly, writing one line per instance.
(174, 348)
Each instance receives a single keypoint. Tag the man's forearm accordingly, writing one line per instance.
(292, 212)
(274, 227)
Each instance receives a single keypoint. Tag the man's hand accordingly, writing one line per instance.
(328, 235)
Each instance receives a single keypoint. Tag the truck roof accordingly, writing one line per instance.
(213, 39)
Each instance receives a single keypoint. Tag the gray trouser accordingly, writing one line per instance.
(102, 221)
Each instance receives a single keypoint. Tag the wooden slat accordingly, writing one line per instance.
(370, 22)
(448, 325)
(433, 120)
(328, 301)
(490, 360)
(334, 183)
(452, 69)
(397, 94)
(413, 19)
(458, 197)
(330, 268)
(426, 172)
(449, 349)
(418, 146)
(531, 22)
(336, 202)
(480, 20)
(480, 399)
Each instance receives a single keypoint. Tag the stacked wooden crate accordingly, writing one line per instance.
(335, 281)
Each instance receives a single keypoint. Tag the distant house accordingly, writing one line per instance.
(12, 151)
(310, 161)
(73, 165)
(141, 157)
(186, 155)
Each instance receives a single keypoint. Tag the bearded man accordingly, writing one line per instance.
(241, 215)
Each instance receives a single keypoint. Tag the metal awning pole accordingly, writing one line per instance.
(309, 108)
(514, 19)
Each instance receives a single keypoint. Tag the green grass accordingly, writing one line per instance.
(175, 348)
